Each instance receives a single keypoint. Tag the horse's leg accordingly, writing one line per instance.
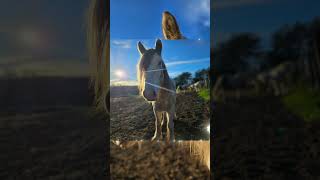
(170, 126)
(163, 118)
(158, 131)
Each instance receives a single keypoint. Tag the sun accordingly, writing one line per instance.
(120, 73)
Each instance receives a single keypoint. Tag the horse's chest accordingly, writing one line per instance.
(162, 105)
(164, 102)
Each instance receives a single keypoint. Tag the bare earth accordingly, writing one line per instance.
(155, 161)
(66, 144)
(132, 117)
(260, 139)
(48, 130)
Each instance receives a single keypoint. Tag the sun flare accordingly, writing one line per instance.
(120, 73)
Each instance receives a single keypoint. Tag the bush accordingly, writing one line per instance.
(205, 94)
(304, 102)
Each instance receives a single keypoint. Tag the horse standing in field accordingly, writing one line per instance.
(155, 86)
(99, 53)
(98, 36)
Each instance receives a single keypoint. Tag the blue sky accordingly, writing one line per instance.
(131, 19)
(54, 31)
(179, 56)
(259, 16)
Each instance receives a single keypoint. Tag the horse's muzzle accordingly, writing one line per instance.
(150, 95)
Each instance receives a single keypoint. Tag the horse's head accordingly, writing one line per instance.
(150, 71)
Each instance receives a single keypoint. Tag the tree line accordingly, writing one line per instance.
(186, 78)
(300, 41)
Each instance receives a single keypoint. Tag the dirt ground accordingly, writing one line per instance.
(132, 117)
(155, 161)
(62, 144)
(260, 139)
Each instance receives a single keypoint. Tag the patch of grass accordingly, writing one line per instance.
(205, 94)
(304, 102)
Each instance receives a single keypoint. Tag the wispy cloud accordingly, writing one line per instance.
(126, 44)
(223, 4)
(199, 11)
(193, 61)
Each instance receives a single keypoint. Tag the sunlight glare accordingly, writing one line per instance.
(120, 73)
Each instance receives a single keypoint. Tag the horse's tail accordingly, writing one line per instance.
(98, 46)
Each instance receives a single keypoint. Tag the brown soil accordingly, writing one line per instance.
(155, 161)
(260, 139)
(64, 144)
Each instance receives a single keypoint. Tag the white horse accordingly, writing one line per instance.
(156, 87)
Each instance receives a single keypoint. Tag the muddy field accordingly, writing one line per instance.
(64, 144)
(260, 139)
(132, 117)
(155, 161)
(49, 131)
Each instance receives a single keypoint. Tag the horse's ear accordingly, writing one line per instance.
(159, 46)
(141, 48)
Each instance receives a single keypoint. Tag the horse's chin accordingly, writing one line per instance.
(153, 98)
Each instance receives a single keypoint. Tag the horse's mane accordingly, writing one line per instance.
(143, 65)
(98, 46)
(139, 76)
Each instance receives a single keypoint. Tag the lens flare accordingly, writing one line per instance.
(120, 73)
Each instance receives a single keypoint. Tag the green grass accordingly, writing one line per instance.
(304, 102)
(205, 94)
